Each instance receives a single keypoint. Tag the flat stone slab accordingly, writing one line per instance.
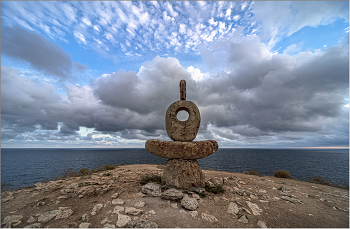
(181, 150)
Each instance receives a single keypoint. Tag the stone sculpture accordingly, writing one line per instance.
(182, 169)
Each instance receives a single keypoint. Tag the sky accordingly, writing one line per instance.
(102, 74)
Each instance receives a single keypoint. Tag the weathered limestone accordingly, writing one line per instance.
(182, 170)
(47, 216)
(133, 211)
(117, 202)
(181, 150)
(255, 209)
(172, 194)
(208, 217)
(232, 208)
(189, 203)
(123, 220)
(243, 219)
(118, 209)
(84, 225)
(261, 224)
(185, 131)
(183, 173)
(64, 212)
(12, 220)
(97, 208)
(151, 189)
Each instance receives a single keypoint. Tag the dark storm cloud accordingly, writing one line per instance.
(34, 48)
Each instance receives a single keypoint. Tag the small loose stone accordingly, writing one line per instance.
(117, 202)
(84, 225)
(96, 209)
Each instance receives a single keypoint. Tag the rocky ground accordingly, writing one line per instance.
(115, 198)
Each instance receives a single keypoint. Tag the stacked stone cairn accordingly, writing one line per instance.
(182, 169)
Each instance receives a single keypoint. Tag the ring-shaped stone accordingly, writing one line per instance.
(185, 131)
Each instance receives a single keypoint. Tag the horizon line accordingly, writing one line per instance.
(99, 147)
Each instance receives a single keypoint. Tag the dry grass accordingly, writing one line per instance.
(150, 178)
(252, 172)
(282, 174)
(321, 180)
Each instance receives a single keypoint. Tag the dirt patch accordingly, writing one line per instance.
(275, 202)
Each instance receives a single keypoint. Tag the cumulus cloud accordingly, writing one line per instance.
(35, 49)
(259, 99)
(279, 93)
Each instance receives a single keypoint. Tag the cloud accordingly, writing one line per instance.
(250, 96)
(35, 49)
(80, 38)
(280, 19)
(278, 93)
(81, 67)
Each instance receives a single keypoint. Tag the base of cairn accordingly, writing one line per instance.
(183, 174)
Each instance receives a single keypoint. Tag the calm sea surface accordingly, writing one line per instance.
(21, 167)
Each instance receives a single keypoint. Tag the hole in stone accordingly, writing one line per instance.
(182, 115)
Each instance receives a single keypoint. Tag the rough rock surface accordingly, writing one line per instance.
(140, 204)
(255, 209)
(189, 203)
(12, 220)
(123, 220)
(118, 202)
(172, 194)
(181, 150)
(183, 174)
(64, 212)
(141, 223)
(232, 208)
(184, 131)
(261, 224)
(208, 217)
(132, 211)
(97, 208)
(31, 220)
(118, 209)
(84, 225)
(151, 189)
(47, 216)
(243, 219)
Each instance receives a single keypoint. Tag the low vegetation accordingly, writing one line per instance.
(202, 194)
(282, 174)
(150, 178)
(321, 180)
(214, 187)
(83, 172)
(252, 172)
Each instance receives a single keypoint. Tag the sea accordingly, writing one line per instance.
(25, 167)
